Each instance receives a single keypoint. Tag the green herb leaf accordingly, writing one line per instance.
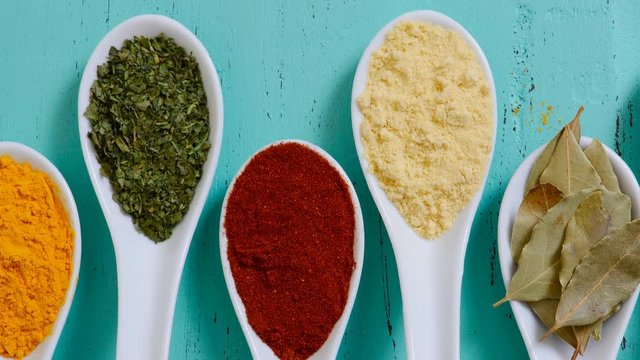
(546, 312)
(587, 226)
(585, 332)
(533, 207)
(598, 157)
(619, 207)
(606, 276)
(569, 169)
(543, 161)
(537, 275)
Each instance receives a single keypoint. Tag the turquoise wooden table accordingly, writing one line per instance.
(286, 69)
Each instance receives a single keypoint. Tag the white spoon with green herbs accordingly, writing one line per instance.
(564, 260)
(430, 270)
(149, 273)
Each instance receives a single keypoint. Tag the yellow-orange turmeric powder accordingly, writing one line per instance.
(36, 244)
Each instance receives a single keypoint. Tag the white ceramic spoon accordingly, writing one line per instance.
(260, 350)
(21, 153)
(430, 271)
(530, 327)
(148, 273)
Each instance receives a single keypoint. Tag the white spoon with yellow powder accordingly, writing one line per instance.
(46, 348)
(424, 129)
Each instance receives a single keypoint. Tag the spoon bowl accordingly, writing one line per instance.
(430, 271)
(149, 273)
(24, 154)
(329, 350)
(530, 327)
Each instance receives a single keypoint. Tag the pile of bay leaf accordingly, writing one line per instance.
(576, 249)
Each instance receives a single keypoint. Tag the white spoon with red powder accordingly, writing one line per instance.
(430, 270)
(329, 350)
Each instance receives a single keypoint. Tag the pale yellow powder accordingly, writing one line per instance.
(428, 123)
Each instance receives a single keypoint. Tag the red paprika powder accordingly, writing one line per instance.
(290, 225)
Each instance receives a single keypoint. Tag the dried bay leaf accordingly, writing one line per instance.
(537, 275)
(596, 332)
(606, 276)
(543, 161)
(584, 333)
(587, 226)
(619, 207)
(533, 207)
(598, 157)
(569, 169)
(576, 336)
(618, 210)
(560, 249)
(546, 312)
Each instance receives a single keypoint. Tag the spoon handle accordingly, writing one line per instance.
(430, 274)
(148, 280)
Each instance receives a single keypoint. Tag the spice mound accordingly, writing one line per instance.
(428, 125)
(36, 244)
(290, 224)
(150, 129)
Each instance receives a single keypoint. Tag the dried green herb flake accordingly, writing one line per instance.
(150, 128)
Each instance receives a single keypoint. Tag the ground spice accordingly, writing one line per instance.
(36, 244)
(428, 123)
(290, 224)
